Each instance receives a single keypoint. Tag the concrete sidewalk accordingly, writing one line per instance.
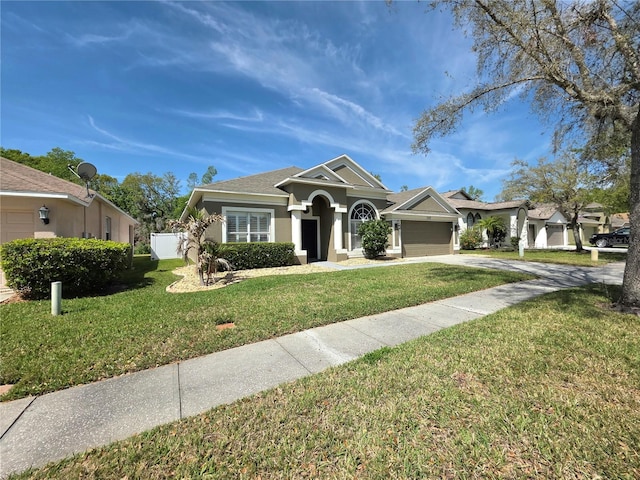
(38, 430)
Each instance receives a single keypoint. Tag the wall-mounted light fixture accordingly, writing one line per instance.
(44, 214)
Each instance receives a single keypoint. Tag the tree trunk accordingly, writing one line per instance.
(631, 282)
(576, 235)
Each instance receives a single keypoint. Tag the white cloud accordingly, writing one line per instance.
(255, 116)
(128, 145)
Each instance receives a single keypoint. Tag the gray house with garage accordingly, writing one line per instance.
(319, 210)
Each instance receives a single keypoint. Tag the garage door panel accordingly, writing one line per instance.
(16, 224)
(555, 235)
(426, 238)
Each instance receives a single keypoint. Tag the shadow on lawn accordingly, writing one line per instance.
(135, 277)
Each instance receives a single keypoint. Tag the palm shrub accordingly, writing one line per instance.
(196, 227)
(470, 239)
(496, 229)
(212, 259)
(375, 237)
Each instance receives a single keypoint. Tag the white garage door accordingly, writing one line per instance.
(555, 235)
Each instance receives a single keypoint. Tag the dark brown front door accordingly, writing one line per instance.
(310, 239)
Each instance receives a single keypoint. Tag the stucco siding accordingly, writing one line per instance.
(282, 218)
(302, 191)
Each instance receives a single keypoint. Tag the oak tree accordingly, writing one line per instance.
(577, 61)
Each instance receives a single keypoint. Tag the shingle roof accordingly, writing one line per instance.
(619, 219)
(261, 183)
(476, 205)
(15, 177)
(542, 211)
(401, 197)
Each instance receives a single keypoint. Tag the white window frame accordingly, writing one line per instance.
(107, 228)
(248, 211)
(349, 219)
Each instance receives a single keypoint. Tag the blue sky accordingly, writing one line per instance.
(249, 87)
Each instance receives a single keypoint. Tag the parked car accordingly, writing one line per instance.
(613, 239)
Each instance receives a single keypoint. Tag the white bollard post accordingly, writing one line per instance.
(56, 298)
(594, 255)
(521, 249)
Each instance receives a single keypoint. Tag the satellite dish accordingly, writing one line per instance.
(86, 171)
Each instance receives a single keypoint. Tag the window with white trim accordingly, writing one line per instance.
(361, 213)
(246, 226)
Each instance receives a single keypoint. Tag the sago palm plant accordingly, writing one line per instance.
(196, 226)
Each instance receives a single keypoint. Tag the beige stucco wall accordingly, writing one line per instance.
(302, 192)
(67, 219)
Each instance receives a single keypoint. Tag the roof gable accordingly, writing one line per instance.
(353, 173)
(338, 172)
(421, 201)
(457, 194)
(321, 172)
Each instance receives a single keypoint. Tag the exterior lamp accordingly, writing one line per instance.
(44, 214)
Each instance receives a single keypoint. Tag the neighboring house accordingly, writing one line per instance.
(590, 221)
(537, 225)
(514, 213)
(319, 210)
(72, 209)
(619, 220)
(547, 227)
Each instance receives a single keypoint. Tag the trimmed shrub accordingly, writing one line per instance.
(142, 248)
(470, 239)
(375, 237)
(246, 256)
(82, 265)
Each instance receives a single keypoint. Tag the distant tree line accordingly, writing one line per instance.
(151, 199)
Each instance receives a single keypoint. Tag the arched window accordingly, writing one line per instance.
(470, 220)
(478, 218)
(360, 213)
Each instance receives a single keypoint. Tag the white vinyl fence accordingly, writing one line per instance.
(165, 245)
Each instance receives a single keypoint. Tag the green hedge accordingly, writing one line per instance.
(245, 256)
(82, 265)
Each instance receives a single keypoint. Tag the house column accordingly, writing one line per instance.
(296, 230)
(337, 231)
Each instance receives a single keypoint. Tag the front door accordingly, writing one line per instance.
(531, 236)
(310, 239)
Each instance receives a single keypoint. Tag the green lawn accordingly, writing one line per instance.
(566, 257)
(549, 388)
(144, 326)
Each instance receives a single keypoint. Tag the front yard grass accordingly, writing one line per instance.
(549, 388)
(144, 326)
(565, 257)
